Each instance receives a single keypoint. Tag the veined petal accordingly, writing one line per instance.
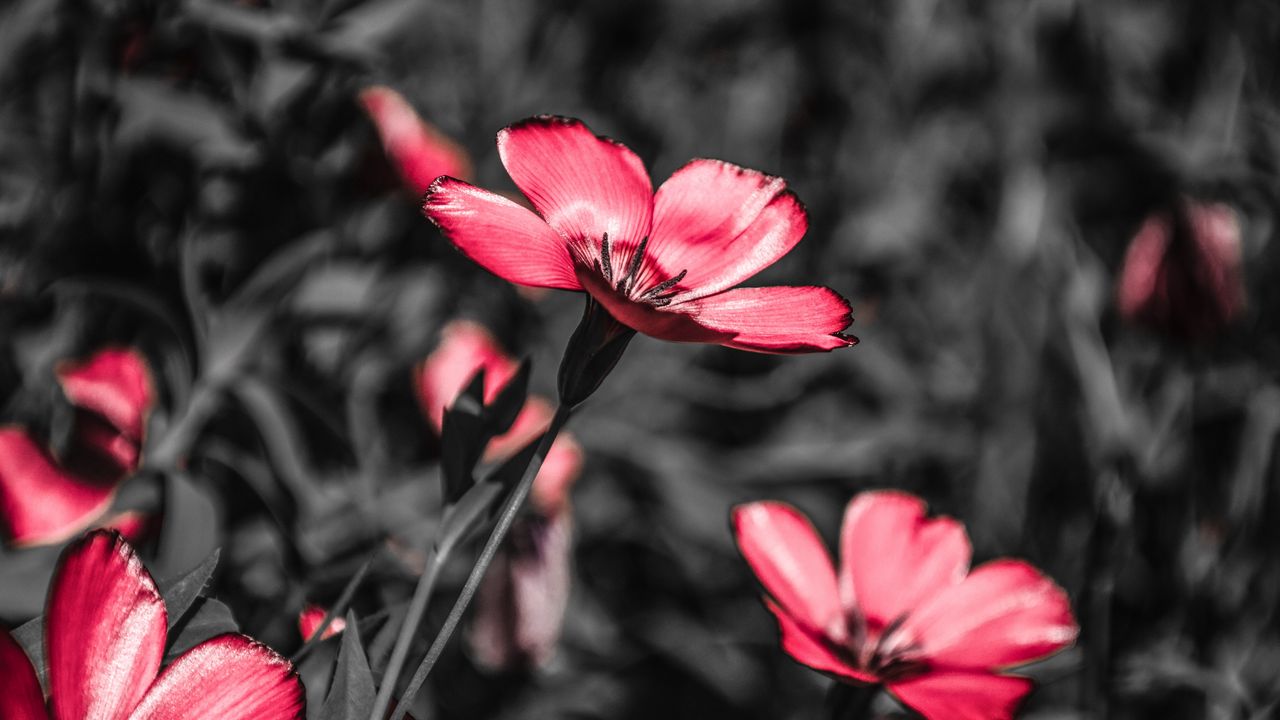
(106, 630)
(419, 151)
(963, 696)
(465, 347)
(893, 558)
(114, 383)
(791, 562)
(504, 238)
(723, 224)
(228, 677)
(584, 185)
(40, 502)
(809, 648)
(781, 319)
(1005, 613)
(20, 695)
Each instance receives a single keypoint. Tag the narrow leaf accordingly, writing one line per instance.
(352, 693)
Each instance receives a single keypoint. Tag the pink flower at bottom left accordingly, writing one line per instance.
(105, 632)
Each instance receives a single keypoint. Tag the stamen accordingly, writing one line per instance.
(653, 292)
(605, 254)
(629, 280)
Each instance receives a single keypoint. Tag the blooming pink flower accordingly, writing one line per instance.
(45, 499)
(904, 609)
(309, 621)
(664, 264)
(1183, 273)
(419, 151)
(105, 628)
(521, 603)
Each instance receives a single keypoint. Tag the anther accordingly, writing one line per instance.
(605, 254)
(653, 292)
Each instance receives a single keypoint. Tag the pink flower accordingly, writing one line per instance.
(47, 500)
(1183, 274)
(904, 609)
(309, 621)
(664, 264)
(105, 628)
(521, 604)
(420, 152)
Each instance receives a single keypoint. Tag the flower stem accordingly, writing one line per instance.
(413, 616)
(850, 702)
(510, 510)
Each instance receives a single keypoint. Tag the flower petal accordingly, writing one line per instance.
(114, 383)
(504, 238)
(40, 502)
(229, 677)
(309, 621)
(723, 224)
(811, 650)
(20, 695)
(584, 185)
(893, 558)
(106, 630)
(465, 347)
(774, 319)
(963, 696)
(792, 563)
(419, 151)
(1005, 613)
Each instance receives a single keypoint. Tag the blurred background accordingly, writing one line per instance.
(1054, 218)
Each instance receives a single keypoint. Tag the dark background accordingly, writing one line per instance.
(196, 179)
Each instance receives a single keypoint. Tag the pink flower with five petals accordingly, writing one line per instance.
(105, 633)
(665, 263)
(905, 610)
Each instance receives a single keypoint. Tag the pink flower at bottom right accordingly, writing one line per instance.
(904, 609)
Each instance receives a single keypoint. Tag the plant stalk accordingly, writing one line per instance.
(510, 509)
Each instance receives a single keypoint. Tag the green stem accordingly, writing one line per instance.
(510, 509)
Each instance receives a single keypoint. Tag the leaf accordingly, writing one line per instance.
(352, 694)
(179, 595)
(189, 530)
(208, 618)
(501, 413)
(462, 438)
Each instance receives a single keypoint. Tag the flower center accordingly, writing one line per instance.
(659, 295)
(886, 653)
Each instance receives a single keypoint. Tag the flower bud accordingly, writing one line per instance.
(1182, 274)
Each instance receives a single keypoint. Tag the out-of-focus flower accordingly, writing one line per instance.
(521, 604)
(419, 152)
(44, 499)
(664, 264)
(466, 347)
(904, 609)
(105, 630)
(309, 621)
(1182, 274)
